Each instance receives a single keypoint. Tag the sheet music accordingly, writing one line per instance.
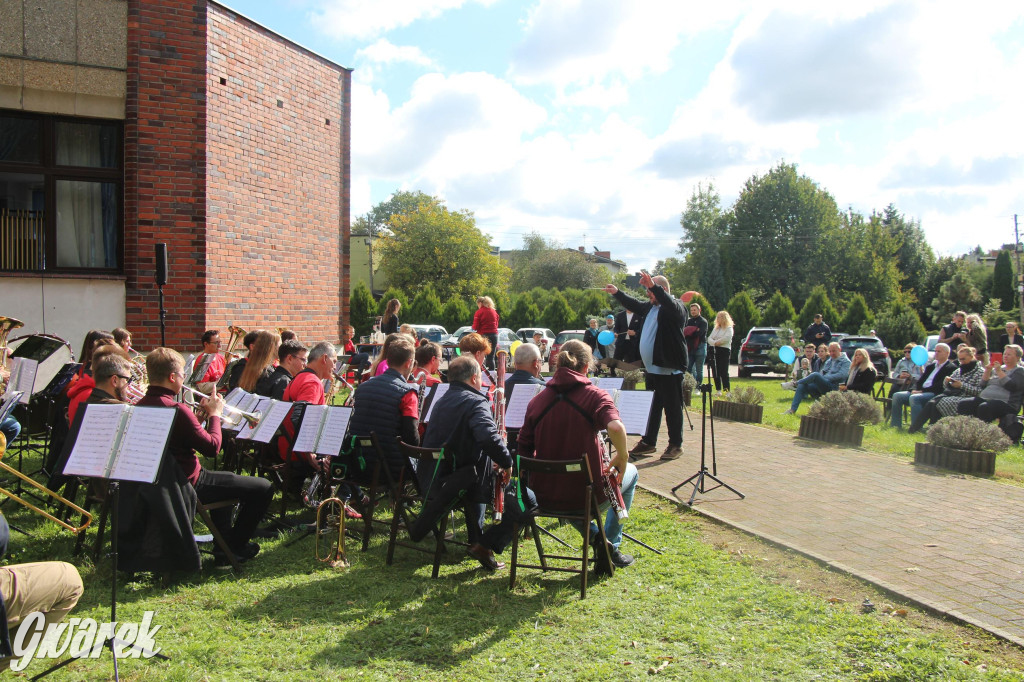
(634, 409)
(515, 411)
(436, 394)
(332, 435)
(261, 405)
(608, 383)
(309, 430)
(142, 445)
(23, 377)
(93, 449)
(271, 420)
(241, 399)
(11, 398)
(237, 394)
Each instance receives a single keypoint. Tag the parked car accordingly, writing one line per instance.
(838, 337)
(526, 336)
(753, 355)
(929, 344)
(563, 336)
(431, 332)
(506, 337)
(877, 351)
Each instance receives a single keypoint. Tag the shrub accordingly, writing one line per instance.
(846, 407)
(967, 433)
(689, 382)
(746, 395)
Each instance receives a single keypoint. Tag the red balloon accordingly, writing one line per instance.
(685, 298)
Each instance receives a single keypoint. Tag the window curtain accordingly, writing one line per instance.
(86, 210)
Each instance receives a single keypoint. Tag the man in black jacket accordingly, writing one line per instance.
(663, 351)
(926, 388)
(819, 332)
(627, 335)
(463, 424)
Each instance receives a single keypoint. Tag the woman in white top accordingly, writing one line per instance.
(720, 343)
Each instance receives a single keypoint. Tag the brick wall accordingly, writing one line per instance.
(277, 182)
(165, 168)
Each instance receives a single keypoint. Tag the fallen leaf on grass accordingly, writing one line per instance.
(654, 670)
(902, 613)
(634, 644)
(836, 600)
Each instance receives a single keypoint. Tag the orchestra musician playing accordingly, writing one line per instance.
(388, 405)
(166, 370)
(527, 363)
(112, 373)
(463, 424)
(212, 360)
(123, 338)
(428, 362)
(308, 387)
(479, 348)
(291, 359)
(236, 368)
(259, 367)
(82, 389)
(563, 420)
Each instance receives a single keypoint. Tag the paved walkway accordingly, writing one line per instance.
(950, 542)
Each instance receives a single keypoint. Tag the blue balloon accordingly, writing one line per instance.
(606, 338)
(787, 355)
(919, 356)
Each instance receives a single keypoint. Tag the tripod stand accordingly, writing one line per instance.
(699, 479)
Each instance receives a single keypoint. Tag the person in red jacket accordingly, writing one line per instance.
(485, 323)
(307, 386)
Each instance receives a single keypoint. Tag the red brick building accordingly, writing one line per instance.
(207, 132)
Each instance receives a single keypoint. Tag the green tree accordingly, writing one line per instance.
(378, 219)
(941, 272)
(590, 304)
(433, 244)
(426, 307)
(702, 224)
(744, 316)
(959, 293)
(455, 314)
(857, 315)
(546, 263)
(541, 297)
(899, 325)
(362, 310)
(393, 292)
(524, 312)
(817, 302)
(915, 257)
(781, 229)
(557, 315)
(680, 274)
(779, 310)
(869, 264)
(712, 280)
(1002, 282)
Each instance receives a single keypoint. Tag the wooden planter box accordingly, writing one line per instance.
(831, 432)
(738, 412)
(965, 461)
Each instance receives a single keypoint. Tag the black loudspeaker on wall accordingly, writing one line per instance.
(161, 264)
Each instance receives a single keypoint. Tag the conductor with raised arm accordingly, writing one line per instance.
(663, 351)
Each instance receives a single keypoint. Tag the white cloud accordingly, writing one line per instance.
(384, 52)
(363, 19)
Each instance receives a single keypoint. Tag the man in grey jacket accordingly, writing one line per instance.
(835, 372)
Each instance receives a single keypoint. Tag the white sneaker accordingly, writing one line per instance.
(789, 385)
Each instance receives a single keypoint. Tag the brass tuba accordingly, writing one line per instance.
(6, 325)
(237, 333)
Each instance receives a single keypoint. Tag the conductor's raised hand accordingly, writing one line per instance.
(611, 289)
(646, 281)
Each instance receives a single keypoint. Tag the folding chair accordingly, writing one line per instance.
(878, 393)
(378, 490)
(204, 513)
(406, 500)
(589, 510)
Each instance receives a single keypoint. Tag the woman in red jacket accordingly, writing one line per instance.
(485, 323)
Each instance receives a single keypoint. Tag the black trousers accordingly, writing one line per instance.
(720, 366)
(253, 493)
(493, 340)
(985, 410)
(668, 396)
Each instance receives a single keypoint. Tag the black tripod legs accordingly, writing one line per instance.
(699, 482)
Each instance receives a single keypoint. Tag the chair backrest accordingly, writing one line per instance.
(560, 467)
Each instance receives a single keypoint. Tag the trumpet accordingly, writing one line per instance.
(253, 418)
(43, 489)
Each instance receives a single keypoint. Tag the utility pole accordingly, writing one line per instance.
(1020, 275)
(369, 249)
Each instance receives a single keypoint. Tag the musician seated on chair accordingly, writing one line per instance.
(166, 370)
(51, 588)
(388, 405)
(357, 361)
(428, 363)
(123, 338)
(463, 424)
(291, 359)
(307, 387)
(112, 374)
(83, 388)
(259, 365)
(212, 359)
(238, 366)
(564, 420)
(527, 362)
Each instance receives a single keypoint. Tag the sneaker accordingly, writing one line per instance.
(672, 452)
(642, 448)
(789, 412)
(789, 385)
(485, 556)
(619, 559)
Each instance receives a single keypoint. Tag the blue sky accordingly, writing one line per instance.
(592, 121)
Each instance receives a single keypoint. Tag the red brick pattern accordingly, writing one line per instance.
(277, 182)
(165, 166)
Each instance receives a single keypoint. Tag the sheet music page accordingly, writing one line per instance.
(312, 418)
(262, 403)
(236, 395)
(439, 390)
(608, 383)
(634, 410)
(23, 377)
(272, 418)
(332, 437)
(11, 398)
(142, 445)
(515, 411)
(92, 452)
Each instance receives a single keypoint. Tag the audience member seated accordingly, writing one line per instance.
(963, 383)
(357, 361)
(1002, 388)
(862, 376)
(804, 366)
(820, 358)
(928, 385)
(906, 372)
(835, 371)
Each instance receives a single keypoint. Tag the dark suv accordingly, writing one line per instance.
(873, 345)
(753, 355)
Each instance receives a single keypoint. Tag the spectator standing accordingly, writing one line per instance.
(720, 343)
(953, 334)
(977, 338)
(696, 341)
(1012, 335)
(819, 332)
(485, 323)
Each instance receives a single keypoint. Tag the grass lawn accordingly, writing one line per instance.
(699, 612)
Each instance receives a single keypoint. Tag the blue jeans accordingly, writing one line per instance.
(696, 363)
(612, 525)
(917, 401)
(10, 428)
(813, 385)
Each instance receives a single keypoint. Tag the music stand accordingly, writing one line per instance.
(699, 479)
(149, 465)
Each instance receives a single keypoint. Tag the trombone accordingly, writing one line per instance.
(252, 417)
(43, 489)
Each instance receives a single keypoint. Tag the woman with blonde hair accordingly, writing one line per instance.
(977, 337)
(485, 323)
(720, 342)
(259, 365)
(862, 373)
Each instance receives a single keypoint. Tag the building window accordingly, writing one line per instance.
(61, 183)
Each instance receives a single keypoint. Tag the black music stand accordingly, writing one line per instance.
(699, 479)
